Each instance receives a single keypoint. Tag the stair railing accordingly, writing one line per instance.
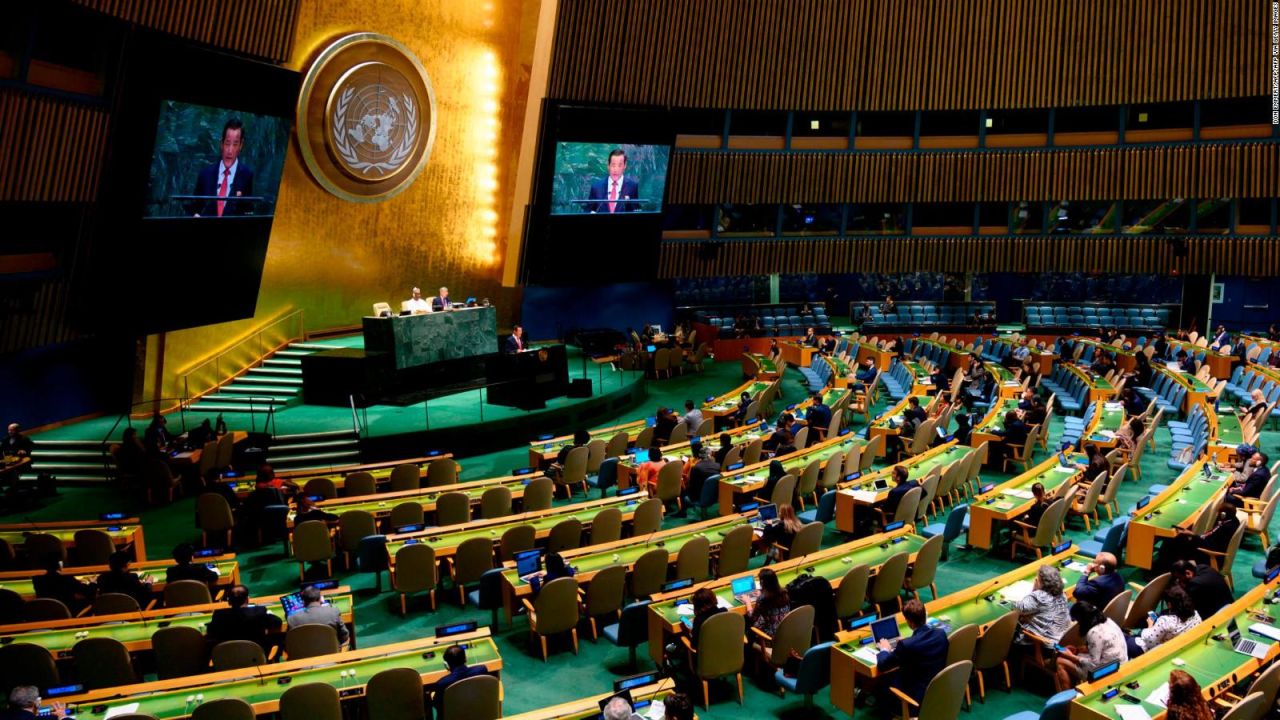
(222, 367)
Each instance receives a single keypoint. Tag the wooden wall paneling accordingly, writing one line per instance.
(51, 149)
(263, 28)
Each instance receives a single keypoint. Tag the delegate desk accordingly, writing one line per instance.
(993, 423)
(793, 353)
(921, 380)
(842, 374)
(1006, 383)
(263, 686)
(445, 540)
(588, 561)
(381, 505)
(545, 449)
(642, 700)
(1177, 507)
(760, 367)
(890, 421)
(958, 358)
(1197, 390)
(882, 359)
(1013, 497)
(727, 404)
(667, 618)
(188, 458)
(135, 629)
(1219, 363)
(381, 472)
(629, 464)
(1099, 387)
(1225, 433)
(862, 490)
(853, 658)
(23, 581)
(1108, 417)
(1204, 651)
(125, 533)
(1126, 361)
(738, 486)
(415, 340)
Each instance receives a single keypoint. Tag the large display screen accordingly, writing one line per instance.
(213, 162)
(608, 178)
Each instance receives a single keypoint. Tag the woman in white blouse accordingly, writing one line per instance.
(1104, 644)
(1179, 616)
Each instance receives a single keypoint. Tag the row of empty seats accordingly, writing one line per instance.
(1078, 315)
(1071, 389)
(936, 354)
(1166, 393)
(926, 313)
(898, 381)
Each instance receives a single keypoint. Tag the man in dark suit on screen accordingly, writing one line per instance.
(226, 178)
(515, 341)
(616, 192)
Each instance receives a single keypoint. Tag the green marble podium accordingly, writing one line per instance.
(414, 340)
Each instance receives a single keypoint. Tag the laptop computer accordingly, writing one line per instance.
(886, 629)
(1245, 646)
(766, 515)
(528, 564)
(881, 484)
(745, 590)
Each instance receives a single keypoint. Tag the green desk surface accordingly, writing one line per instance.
(1109, 419)
(1095, 381)
(555, 445)
(255, 690)
(680, 452)
(915, 470)
(895, 413)
(382, 505)
(1207, 660)
(594, 562)
(1192, 492)
(833, 568)
(541, 523)
(729, 400)
(764, 362)
(67, 535)
(1051, 475)
(796, 462)
(1001, 373)
(838, 365)
(995, 421)
(1229, 431)
(1106, 346)
(960, 609)
(1188, 381)
(59, 641)
(829, 398)
(916, 369)
(26, 586)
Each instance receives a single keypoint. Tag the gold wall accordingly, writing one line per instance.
(334, 259)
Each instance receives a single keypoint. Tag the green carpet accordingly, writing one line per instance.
(529, 682)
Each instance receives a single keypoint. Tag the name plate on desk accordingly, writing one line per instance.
(414, 340)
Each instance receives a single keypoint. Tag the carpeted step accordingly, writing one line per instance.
(275, 372)
(306, 437)
(318, 445)
(293, 461)
(270, 380)
(281, 393)
(309, 347)
(225, 408)
(285, 362)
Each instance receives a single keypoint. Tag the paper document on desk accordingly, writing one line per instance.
(1020, 493)
(1065, 468)
(724, 603)
(1113, 406)
(1017, 591)
(867, 654)
(119, 710)
(864, 496)
(1077, 565)
(1159, 696)
(1132, 712)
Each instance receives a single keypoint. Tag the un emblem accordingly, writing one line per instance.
(366, 118)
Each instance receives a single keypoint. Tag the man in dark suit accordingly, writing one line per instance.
(15, 443)
(1187, 545)
(818, 418)
(903, 485)
(455, 658)
(226, 178)
(918, 657)
(1258, 474)
(118, 579)
(1032, 515)
(616, 192)
(441, 301)
(1100, 581)
(515, 341)
(66, 589)
(1208, 589)
(24, 703)
(241, 621)
(184, 569)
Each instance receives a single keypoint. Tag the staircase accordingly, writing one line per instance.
(276, 382)
(307, 451)
(79, 461)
